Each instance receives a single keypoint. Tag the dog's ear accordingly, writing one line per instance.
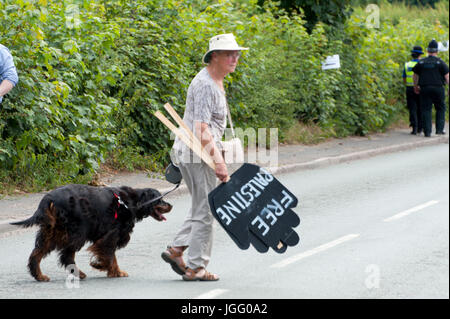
(141, 195)
(149, 193)
(129, 193)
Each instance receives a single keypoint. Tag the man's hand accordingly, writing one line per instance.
(206, 139)
(222, 172)
(5, 87)
(447, 80)
(416, 83)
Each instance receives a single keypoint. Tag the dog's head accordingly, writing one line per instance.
(155, 209)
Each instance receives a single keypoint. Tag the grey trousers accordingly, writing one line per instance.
(197, 228)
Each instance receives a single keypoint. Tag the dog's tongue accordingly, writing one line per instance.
(160, 216)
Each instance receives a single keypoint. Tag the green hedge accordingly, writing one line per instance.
(93, 72)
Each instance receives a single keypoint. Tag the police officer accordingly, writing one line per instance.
(413, 99)
(430, 76)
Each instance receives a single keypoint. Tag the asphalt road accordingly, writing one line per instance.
(373, 228)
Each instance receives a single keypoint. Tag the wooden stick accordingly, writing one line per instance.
(186, 140)
(196, 143)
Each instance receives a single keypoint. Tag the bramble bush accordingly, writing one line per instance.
(93, 72)
(56, 124)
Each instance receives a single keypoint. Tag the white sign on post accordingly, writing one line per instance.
(443, 46)
(332, 62)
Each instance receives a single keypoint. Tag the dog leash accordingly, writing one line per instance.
(173, 176)
(159, 197)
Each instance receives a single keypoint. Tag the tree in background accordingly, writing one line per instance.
(331, 12)
(405, 2)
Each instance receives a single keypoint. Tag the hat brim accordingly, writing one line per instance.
(417, 51)
(225, 49)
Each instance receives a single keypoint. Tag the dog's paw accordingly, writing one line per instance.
(43, 278)
(117, 274)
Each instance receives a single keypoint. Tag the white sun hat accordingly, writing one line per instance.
(225, 41)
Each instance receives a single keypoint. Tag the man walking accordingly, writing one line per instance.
(430, 76)
(8, 72)
(205, 115)
(413, 99)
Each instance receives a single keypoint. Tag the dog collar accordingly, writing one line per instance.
(119, 202)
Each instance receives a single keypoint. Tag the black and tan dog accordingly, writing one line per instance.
(72, 215)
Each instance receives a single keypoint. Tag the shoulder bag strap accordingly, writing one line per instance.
(229, 119)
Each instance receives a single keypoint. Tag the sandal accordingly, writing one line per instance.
(199, 274)
(174, 258)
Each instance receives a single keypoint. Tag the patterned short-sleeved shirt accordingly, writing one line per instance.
(205, 102)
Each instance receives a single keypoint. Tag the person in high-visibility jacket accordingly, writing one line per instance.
(413, 99)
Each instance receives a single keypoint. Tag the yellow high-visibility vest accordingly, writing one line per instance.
(409, 72)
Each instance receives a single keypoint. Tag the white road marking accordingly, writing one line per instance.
(411, 210)
(212, 294)
(313, 251)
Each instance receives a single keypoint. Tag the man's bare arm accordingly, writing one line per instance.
(205, 137)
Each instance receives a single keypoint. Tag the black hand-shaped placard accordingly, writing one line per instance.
(255, 208)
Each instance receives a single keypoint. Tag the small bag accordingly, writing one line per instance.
(233, 151)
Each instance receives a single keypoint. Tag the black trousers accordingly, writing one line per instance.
(430, 95)
(415, 111)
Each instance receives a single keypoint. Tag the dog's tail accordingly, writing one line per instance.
(27, 222)
(38, 217)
